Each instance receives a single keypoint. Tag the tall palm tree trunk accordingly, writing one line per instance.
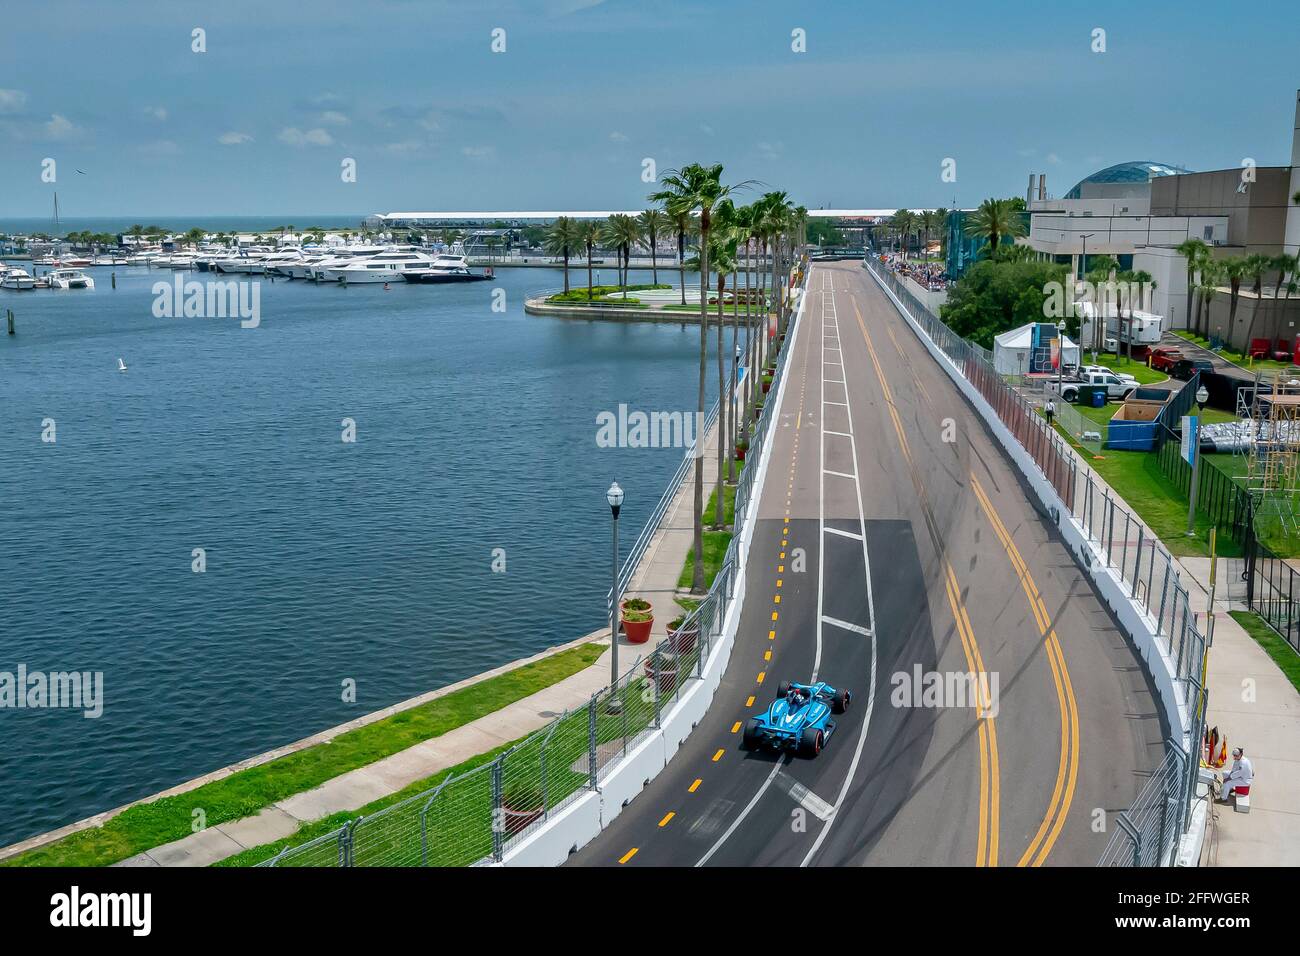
(749, 346)
(697, 577)
(733, 431)
(719, 509)
(654, 259)
(681, 261)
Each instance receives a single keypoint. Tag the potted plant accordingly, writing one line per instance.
(767, 383)
(521, 804)
(742, 446)
(682, 636)
(662, 669)
(758, 410)
(636, 625)
(635, 604)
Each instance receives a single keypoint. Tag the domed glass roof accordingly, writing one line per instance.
(1132, 172)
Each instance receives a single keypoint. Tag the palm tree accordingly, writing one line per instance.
(1213, 272)
(697, 188)
(589, 234)
(622, 232)
(903, 221)
(1130, 278)
(1283, 263)
(654, 223)
(1235, 270)
(682, 223)
(723, 258)
(1255, 266)
(994, 219)
(561, 239)
(1195, 251)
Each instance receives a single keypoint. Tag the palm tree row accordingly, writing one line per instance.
(696, 193)
(1206, 275)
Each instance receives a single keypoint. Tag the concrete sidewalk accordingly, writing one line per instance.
(654, 579)
(1258, 708)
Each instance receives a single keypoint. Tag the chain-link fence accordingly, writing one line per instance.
(475, 816)
(1150, 574)
(1147, 833)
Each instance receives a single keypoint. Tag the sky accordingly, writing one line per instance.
(585, 92)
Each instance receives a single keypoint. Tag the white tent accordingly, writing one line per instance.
(1013, 352)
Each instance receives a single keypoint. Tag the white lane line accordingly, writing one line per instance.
(840, 474)
(855, 628)
(844, 534)
(839, 434)
(835, 381)
(871, 688)
(841, 404)
(811, 802)
(776, 767)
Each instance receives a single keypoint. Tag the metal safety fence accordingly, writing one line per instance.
(1272, 590)
(475, 816)
(1118, 538)
(1147, 833)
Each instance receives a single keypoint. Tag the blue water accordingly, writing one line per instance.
(326, 561)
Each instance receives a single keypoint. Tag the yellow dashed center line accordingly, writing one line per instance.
(718, 756)
(695, 786)
(628, 855)
(664, 821)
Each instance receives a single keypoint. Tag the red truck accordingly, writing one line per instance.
(1164, 357)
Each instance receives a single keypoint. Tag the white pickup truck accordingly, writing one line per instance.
(1116, 387)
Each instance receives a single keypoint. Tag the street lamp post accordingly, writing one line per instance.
(1060, 354)
(615, 498)
(1097, 319)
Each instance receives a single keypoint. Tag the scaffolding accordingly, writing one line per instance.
(1271, 409)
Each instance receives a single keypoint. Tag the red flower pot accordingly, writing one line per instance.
(684, 638)
(740, 452)
(516, 821)
(637, 632)
(766, 386)
(663, 672)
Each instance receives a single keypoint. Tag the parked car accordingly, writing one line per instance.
(1070, 389)
(1164, 357)
(1104, 370)
(1184, 369)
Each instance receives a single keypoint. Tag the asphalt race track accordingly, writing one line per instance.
(919, 549)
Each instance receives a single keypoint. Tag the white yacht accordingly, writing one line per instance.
(70, 279)
(182, 260)
(280, 262)
(447, 267)
(387, 266)
(301, 269)
(339, 258)
(17, 279)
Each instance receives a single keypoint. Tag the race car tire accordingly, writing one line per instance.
(753, 735)
(840, 702)
(782, 689)
(810, 742)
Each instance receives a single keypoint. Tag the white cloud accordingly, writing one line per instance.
(618, 137)
(771, 150)
(1053, 159)
(60, 127)
(11, 101)
(334, 118)
(158, 113)
(706, 129)
(479, 152)
(312, 137)
(234, 138)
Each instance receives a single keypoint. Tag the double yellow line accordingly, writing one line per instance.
(1067, 769)
(986, 848)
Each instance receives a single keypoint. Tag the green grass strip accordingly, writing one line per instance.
(1283, 654)
(247, 792)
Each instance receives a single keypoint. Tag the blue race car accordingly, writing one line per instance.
(799, 718)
